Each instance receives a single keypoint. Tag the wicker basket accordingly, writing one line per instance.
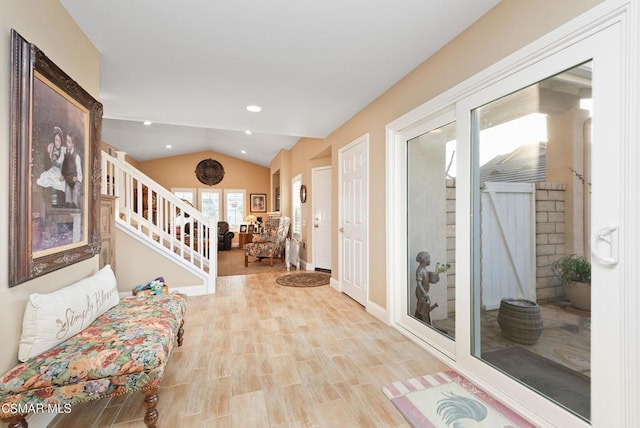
(520, 320)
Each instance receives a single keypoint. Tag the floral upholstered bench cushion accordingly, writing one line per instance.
(123, 350)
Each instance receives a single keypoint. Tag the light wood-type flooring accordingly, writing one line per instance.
(232, 263)
(257, 354)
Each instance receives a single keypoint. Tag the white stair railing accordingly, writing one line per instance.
(150, 212)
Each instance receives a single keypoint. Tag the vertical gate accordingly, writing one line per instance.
(508, 267)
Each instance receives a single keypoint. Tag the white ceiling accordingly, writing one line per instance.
(192, 66)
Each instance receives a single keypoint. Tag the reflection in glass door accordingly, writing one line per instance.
(431, 229)
(531, 205)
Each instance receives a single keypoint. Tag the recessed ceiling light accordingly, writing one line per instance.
(243, 152)
(254, 109)
(168, 146)
(146, 123)
(247, 132)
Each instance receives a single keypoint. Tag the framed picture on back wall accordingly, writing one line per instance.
(258, 202)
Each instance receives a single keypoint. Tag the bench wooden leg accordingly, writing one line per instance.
(17, 421)
(180, 333)
(246, 260)
(150, 403)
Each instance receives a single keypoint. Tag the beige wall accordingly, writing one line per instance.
(306, 250)
(137, 263)
(308, 153)
(282, 163)
(46, 24)
(179, 171)
(511, 25)
(304, 157)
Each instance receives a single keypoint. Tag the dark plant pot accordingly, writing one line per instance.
(579, 294)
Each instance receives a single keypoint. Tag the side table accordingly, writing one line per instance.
(244, 239)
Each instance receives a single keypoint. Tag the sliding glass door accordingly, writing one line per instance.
(427, 299)
(507, 195)
(431, 229)
(531, 185)
(541, 175)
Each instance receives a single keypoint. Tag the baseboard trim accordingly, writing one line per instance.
(377, 311)
(193, 290)
(335, 284)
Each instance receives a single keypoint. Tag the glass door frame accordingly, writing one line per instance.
(400, 313)
(608, 35)
(580, 52)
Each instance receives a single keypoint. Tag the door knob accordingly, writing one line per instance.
(316, 225)
(341, 229)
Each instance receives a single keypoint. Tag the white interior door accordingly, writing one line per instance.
(321, 206)
(354, 201)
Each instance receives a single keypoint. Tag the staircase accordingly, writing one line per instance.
(147, 211)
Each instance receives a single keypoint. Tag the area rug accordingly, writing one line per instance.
(447, 400)
(304, 279)
(567, 387)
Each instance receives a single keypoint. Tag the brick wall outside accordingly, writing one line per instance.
(550, 237)
(451, 245)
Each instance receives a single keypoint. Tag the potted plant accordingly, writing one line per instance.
(434, 276)
(574, 273)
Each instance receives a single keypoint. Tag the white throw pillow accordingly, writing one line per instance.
(52, 318)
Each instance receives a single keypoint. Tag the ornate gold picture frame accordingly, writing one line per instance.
(54, 175)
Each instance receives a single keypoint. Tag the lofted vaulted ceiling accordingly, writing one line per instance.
(193, 66)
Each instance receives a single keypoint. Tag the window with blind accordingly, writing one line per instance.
(296, 216)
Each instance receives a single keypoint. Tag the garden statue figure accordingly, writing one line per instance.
(423, 280)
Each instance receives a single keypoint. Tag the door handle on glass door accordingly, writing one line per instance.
(608, 235)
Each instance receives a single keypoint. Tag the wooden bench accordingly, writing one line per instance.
(126, 349)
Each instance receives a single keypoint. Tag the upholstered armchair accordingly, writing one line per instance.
(271, 242)
(225, 236)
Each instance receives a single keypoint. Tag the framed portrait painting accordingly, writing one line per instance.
(258, 202)
(54, 167)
